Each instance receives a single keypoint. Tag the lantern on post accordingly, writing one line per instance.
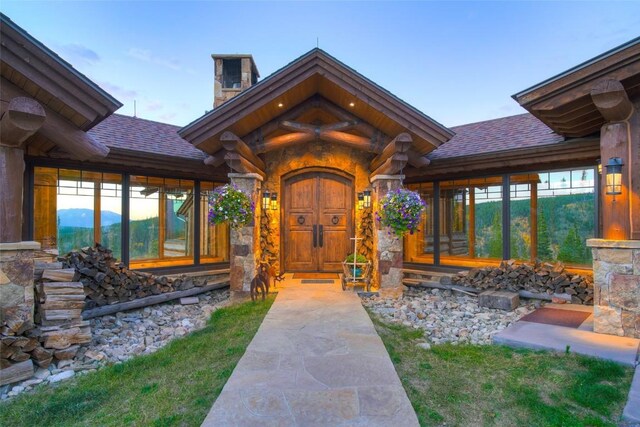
(613, 180)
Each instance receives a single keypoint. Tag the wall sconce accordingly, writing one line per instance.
(614, 176)
(367, 198)
(266, 200)
(360, 200)
(274, 201)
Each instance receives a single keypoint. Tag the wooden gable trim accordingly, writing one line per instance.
(204, 131)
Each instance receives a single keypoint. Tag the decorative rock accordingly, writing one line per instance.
(501, 300)
(425, 345)
(189, 300)
(61, 376)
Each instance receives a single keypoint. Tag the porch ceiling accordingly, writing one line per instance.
(564, 102)
(315, 74)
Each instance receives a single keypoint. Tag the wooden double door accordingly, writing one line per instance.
(317, 221)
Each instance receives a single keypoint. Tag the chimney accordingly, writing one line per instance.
(232, 75)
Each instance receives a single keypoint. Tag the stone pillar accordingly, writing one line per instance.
(387, 247)
(616, 277)
(245, 241)
(16, 287)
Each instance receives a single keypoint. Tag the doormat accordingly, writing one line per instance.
(557, 317)
(316, 281)
(315, 275)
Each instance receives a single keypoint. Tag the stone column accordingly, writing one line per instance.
(616, 282)
(387, 247)
(245, 241)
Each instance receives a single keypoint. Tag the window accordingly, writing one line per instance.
(231, 73)
(160, 221)
(74, 209)
(419, 246)
(214, 239)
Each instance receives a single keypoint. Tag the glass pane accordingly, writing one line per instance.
(470, 221)
(214, 239)
(111, 215)
(144, 221)
(566, 215)
(178, 218)
(419, 246)
(520, 208)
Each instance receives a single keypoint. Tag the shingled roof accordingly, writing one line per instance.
(136, 134)
(503, 134)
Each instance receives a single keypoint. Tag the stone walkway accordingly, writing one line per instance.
(316, 360)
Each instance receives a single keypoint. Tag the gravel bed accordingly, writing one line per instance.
(446, 316)
(122, 336)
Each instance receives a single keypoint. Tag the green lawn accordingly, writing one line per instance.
(174, 386)
(493, 385)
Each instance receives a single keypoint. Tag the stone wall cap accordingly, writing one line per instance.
(387, 177)
(245, 175)
(20, 246)
(614, 244)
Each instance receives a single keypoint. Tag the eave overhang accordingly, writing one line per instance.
(315, 73)
(564, 102)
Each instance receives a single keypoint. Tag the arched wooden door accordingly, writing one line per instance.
(317, 221)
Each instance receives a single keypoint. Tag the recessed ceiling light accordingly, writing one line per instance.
(352, 104)
(280, 105)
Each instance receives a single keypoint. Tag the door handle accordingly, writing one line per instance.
(321, 235)
(315, 235)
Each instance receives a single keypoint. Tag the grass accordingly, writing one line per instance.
(495, 385)
(174, 386)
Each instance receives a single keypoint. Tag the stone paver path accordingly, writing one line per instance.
(316, 360)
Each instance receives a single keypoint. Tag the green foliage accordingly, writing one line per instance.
(359, 258)
(174, 386)
(400, 211)
(229, 204)
(573, 249)
(544, 239)
(495, 241)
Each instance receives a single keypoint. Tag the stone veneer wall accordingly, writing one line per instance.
(245, 244)
(616, 281)
(316, 154)
(387, 263)
(16, 286)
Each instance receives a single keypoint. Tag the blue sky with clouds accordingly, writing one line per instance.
(459, 62)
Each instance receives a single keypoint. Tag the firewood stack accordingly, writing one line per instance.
(60, 303)
(539, 277)
(106, 281)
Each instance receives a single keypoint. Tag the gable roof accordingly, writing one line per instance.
(315, 72)
(496, 135)
(564, 101)
(147, 136)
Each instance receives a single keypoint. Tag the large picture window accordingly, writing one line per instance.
(214, 239)
(74, 209)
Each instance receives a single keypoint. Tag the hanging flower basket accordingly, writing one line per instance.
(229, 204)
(400, 211)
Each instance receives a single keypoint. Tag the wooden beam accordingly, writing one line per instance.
(283, 141)
(299, 127)
(61, 132)
(239, 164)
(232, 143)
(392, 165)
(416, 160)
(11, 191)
(399, 144)
(217, 159)
(348, 139)
(612, 101)
(22, 118)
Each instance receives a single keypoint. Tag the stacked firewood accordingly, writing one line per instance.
(107, 281)
(539, 278)
(59, 310)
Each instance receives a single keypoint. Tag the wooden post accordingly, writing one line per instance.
(97, 232)
(472, 222)
(611, 99)
(533, 227)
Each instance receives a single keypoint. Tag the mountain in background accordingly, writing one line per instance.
(83, 218)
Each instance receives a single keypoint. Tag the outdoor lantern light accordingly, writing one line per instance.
(614, 176)
(274, 201)
(367, 198)
(360, 200)
(266, 200)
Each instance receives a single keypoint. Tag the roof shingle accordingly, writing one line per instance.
(505, 133)
(132, 133)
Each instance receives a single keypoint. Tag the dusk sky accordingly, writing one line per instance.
(458, 62)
